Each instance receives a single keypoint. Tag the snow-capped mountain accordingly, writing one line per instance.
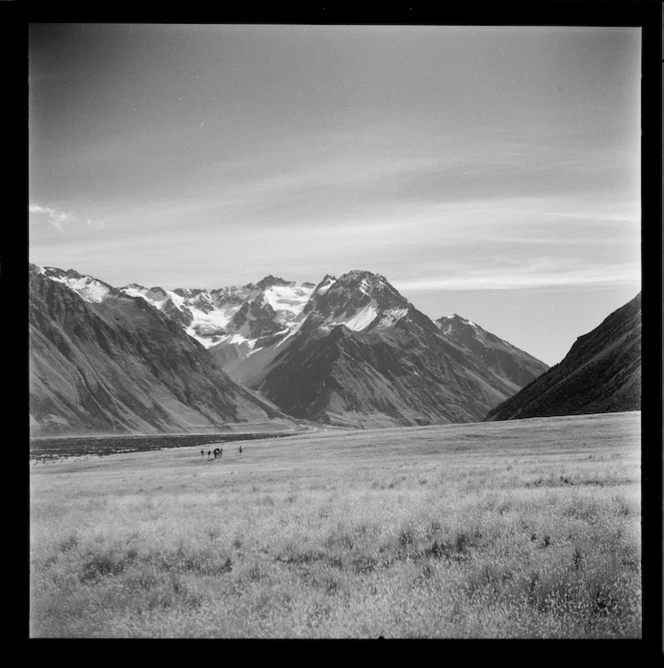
(102, 361)
(359, 301)
(362, 355)
(239, 318)
(348, 351)
(91, 289)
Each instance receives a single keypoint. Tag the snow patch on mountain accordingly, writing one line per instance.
(291, 298)
(356, 320)
(135, 290)
(238, 340)
(208, 322)
(211, 316)
(208, 328)
(448, 323)
(391, 316)
(295, 329)
(363, 318)
(90, 289)
(325, 284)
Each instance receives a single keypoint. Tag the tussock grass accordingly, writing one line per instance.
(497, 530)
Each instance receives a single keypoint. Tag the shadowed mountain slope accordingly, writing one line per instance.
(362, 355)
(600, 374)
(494, 353)
(102, 361)
(350, 351)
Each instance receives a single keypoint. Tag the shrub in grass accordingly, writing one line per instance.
(103, 563)
(70, 543)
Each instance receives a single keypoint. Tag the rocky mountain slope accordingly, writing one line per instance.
(600, 374)
(349, 351)
(501, 357)
(362, 355)
(232, 319)
(103, 361)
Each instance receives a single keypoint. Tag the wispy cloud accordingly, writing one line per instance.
(58, 219)
(61, 220)
(537, 274)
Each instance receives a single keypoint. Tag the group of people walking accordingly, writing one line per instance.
(217, 452)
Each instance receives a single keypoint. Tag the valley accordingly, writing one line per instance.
(50, 449)
(383, 474)
(334, 328)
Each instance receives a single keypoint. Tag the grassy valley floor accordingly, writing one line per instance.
(522, 529)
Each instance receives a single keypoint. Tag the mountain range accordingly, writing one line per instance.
(350, 351)
(103, 361)
(359, 354)
(600, 374)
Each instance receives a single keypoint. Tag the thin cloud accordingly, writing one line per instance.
(61, 220)
(535, 276)
(58, 219)
(95, 224)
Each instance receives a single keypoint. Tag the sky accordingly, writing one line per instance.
(492, 172)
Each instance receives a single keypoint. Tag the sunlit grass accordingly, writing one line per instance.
(520, 529)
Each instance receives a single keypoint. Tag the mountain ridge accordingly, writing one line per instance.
(496, 353)
(350, 350)
(601, 373)
(363, 355)
(120, 366)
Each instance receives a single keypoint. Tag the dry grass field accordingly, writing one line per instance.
(523, 529)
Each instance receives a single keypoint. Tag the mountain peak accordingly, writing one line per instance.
(188, 292)
(359, 275)
(359, 300)
(91, 289)
(455, 320)
(368, 283)
(270, 281)
(363, 281)
(325, 284)
(52, 272)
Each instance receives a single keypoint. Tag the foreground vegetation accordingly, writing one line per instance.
(515, 529)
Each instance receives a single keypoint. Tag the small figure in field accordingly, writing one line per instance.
(202, 453)
(218, 452)
(209, 453)
(240, 449)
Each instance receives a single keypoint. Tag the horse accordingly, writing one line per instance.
(218, 452)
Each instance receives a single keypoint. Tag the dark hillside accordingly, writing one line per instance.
(120, 366)
(600, 374)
